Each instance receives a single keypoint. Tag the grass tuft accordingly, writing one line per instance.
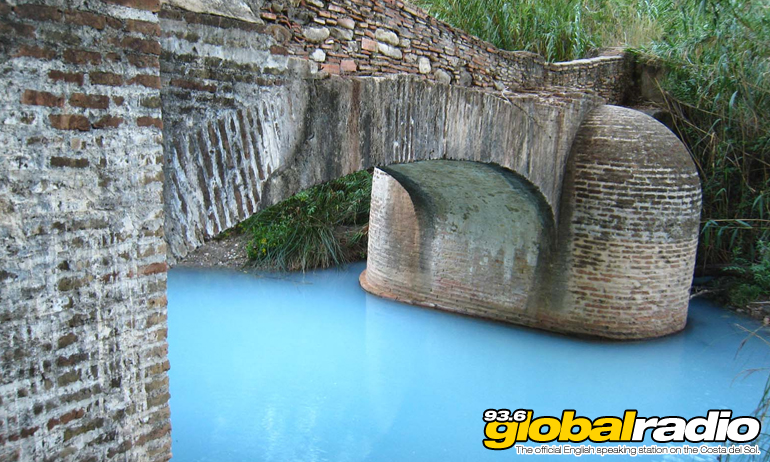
(322, 226)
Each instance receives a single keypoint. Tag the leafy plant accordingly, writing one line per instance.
(323, 226)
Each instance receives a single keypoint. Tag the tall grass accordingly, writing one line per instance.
(559, 30)
(323, 226)
(718, 58)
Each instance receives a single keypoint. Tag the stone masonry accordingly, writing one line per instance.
(134, 131)
(83, 256)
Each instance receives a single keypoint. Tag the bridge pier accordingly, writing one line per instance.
(479, 240)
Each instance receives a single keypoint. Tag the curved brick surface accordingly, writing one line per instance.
(630, 211)
(461, 236)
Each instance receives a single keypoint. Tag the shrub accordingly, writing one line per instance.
(323, 226)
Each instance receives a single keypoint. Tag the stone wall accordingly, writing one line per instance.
(366, 38)
(82, 265)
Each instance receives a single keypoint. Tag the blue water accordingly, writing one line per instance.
(311, 368)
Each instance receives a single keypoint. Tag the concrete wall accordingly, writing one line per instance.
(83, 261)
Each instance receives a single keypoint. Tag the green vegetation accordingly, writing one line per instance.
(559, 30)
(319, 227)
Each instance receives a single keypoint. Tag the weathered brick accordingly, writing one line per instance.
(68, 378)
(145, 121)
(368, 45)
(121, 448)
(105, 78)
(143, 61)
(348, 65)
(66, 418)
(108, 121)
(143, 27)
(89, 101)
(85, 428)
(159, 432)
(150, 81)
(38, 12)
(71, 77)
(158, 384)
(33, 51)
(141, 45)
(153, 268)
(63, 361)
(16, 29)
(82, 57)
(193, 85)
(69, 122)
(153, 102)
(41, 98)
(158, 400)
(158, 368)
(331, 68)
(82, 18)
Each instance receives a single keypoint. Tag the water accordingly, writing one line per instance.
(311, 368)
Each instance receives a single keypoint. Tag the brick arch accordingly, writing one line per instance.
(222, 165)
(619, 267)
(466, 237)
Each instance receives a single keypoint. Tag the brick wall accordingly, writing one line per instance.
(630, 213)
(621, 266)
(83, 266)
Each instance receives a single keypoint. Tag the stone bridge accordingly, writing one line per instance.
(134, 132)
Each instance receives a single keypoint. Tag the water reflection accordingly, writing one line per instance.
(310, 368)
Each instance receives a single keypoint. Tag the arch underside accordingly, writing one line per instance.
(462, 236)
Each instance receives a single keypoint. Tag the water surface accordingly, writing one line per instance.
(311, 368)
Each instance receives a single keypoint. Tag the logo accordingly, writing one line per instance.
(504, 428)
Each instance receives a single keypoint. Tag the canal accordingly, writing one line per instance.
(309, 367)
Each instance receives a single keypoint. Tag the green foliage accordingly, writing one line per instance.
(751, 279)
(716, 53)
(319, 227)
(559, 30)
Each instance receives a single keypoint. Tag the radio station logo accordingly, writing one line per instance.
(505, 428)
